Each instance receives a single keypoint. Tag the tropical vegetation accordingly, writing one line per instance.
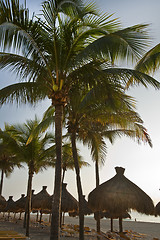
(34, 154)
(69, 45)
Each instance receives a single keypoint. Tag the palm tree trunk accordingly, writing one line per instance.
(79, 186)
(1, 184)
(56, 203)
(97, 184)
(29, 196)
(63, 175)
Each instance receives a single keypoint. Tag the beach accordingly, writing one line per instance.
(134, 229)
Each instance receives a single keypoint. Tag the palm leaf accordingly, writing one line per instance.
(150, 62)
(129, 77)
(22, 93)
(128, 43)
(23, 67)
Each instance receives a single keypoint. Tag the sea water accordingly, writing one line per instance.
(135, 216)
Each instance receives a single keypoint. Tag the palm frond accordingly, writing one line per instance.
(41, 127)
(150, 62)
(129, 77)
(22, 93)
(129, 43)
(23, 67)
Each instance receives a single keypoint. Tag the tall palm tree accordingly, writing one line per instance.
(71, 44)
(67, 156)
(92, 122)
(68, 161)
(33, 154)
(8, 162)
(90, 119)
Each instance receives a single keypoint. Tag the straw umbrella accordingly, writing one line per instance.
(119, 195)
(157, 209)
(10, 207)
(41, 201)
(69, 203)
(86, 209)
(20, 205)
(3, 203)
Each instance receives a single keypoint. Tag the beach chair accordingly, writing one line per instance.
(9, 235)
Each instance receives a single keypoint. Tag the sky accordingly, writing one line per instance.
(141, 163)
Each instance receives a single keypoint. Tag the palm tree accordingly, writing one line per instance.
(8, 160)
(68, 161)
(90, 119)
(71, 44)
(92, 122)
(34, 154)
(67, 156)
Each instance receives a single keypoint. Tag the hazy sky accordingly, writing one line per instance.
(141, 162)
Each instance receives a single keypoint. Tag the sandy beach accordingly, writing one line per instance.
(136, 230)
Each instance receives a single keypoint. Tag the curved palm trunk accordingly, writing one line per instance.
(79, 186)
(97, 184)
(28, 203)
(56, 203)
(1, 184)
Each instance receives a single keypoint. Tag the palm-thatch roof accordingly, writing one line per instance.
(109, 215)
(68, 203)
(3, 202)
(10, 207)
(157, 209)
(86, 209)
(119, 195)
(20, 203)
(41, 200)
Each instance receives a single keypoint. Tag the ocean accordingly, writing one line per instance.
(135, 216)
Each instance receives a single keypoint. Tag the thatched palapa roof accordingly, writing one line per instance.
(41, 200)
(119, 195)
(68, 203)
(157, 209)
(109, 215)
(10, 205)
(20, 203)
(3, 202)
(86, 209)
